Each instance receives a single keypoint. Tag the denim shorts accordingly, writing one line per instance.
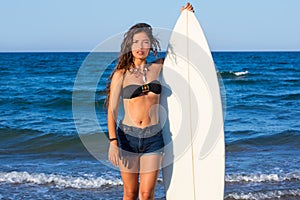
(135, 141)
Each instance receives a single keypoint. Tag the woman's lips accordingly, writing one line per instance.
(140, 52)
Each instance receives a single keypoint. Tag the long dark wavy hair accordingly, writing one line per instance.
(125, 61)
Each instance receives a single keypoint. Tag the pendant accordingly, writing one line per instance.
(136, 70)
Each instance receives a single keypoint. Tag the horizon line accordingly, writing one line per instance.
(216, 51)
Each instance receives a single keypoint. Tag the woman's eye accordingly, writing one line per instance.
(147, 43)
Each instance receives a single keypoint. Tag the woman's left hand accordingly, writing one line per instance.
(188, 6)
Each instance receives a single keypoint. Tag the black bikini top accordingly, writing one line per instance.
(134, 90)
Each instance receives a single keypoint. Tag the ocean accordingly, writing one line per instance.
(43, 157)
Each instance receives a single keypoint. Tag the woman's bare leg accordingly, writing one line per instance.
(130, 176)
(149, 170)
(131, 185)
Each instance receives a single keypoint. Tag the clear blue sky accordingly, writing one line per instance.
(79, 25)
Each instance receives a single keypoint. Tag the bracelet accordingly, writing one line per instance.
(112, 139)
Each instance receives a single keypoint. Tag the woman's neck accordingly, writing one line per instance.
(139, 62)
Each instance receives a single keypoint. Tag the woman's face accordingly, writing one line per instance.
(140, 46)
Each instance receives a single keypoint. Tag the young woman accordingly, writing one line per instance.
(136, 146)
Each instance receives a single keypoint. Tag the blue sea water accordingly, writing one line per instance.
(42, 156)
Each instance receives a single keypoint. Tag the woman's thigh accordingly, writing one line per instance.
(130, 164)
(130, 176)
(150, 163)
(149, 170)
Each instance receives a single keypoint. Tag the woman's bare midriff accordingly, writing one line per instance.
(141, 111)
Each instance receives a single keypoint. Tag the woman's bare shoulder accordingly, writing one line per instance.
(118, 74)
(157, 66)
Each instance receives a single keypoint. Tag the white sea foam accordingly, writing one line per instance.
(57, 180)
(257, 178)
(264, 195)
(241, 73)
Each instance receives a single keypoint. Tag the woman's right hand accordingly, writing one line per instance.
(113, 153)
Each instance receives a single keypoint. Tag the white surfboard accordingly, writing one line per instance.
(194, 160)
